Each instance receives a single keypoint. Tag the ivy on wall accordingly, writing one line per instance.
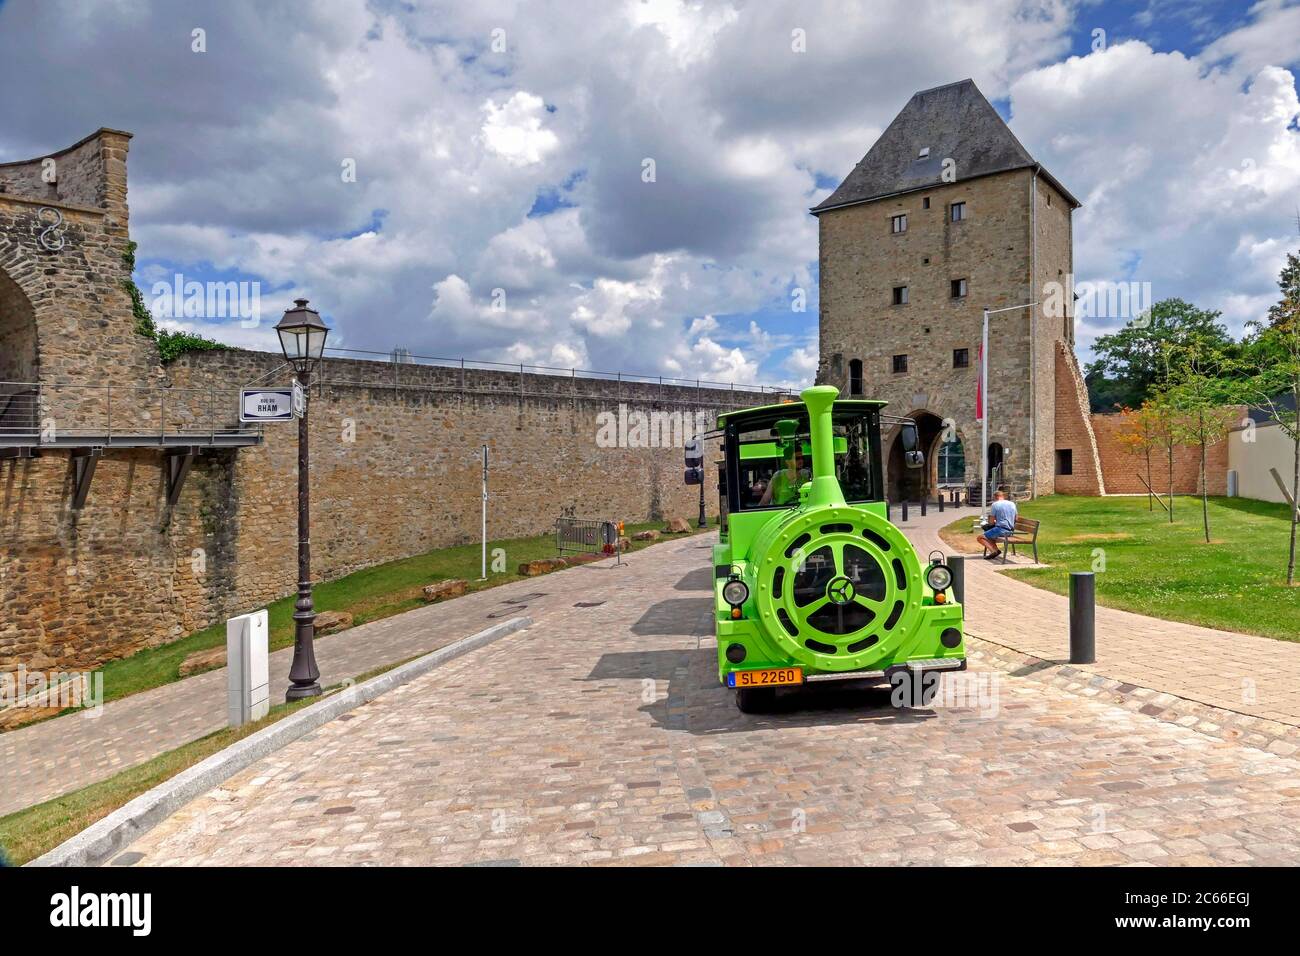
(170, 344)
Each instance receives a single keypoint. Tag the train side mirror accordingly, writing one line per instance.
(913, 457)
(694, 461)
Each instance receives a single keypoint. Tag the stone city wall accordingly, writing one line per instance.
(395, 454)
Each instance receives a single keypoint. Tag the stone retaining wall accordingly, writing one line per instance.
(395, 472)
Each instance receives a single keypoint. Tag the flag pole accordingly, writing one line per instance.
(984, 412)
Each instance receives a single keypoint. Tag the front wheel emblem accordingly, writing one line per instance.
(840, 591)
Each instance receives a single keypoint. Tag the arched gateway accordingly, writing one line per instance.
(945, 465)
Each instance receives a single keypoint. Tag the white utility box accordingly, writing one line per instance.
(248, 694)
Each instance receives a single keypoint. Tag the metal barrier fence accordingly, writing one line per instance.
(585, 535)
(48, 412)
(400, 358)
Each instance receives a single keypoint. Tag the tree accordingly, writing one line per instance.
(1273, 349)
(1201, 383)
(1129, 365)
(1167, 428)
(1139, 433)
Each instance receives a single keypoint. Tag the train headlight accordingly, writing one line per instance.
(735, 593)
(939, 576)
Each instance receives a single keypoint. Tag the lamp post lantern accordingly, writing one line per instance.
(302, 338)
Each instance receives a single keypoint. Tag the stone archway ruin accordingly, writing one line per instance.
(19, 358)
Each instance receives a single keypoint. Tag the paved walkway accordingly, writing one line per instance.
(1248, 675)
(43, 760)
(1257, 676)
(600, 736)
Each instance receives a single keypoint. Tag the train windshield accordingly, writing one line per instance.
(771, 456)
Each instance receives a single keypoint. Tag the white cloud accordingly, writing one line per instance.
(453, 143)
(802, 364)
(1189, 172)
(514, 129)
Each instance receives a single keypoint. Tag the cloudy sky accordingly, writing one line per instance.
(499, 211)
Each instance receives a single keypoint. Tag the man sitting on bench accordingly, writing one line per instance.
(1003, 513)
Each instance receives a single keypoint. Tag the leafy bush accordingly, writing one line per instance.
(170, 344)
(174, 344)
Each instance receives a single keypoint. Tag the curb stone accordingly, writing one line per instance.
(105, 838)
(1258, 733)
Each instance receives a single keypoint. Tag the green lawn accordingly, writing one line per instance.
(1236, 583)
(368, 595)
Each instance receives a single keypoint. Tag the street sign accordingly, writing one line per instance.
(266, 405)
(694, 462)
(299, 399)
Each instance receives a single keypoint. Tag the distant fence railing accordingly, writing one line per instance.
(513, 378)
(46, 412)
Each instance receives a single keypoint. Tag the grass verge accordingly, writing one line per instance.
(28, 833)
(369, 595)
(1147, 565)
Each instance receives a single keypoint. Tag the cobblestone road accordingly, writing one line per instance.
(600, 736)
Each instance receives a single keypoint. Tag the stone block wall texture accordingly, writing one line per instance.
(81, 587)
(64, 314)
(396, 466)
(1074, 430)
(1053, 335)
(1121, 467)
(395, 472)
(994, 249)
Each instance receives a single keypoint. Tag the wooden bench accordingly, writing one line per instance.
(1026, 533)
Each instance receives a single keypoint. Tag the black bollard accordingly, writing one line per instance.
(1083, 629)
(889, 512)
(904, 509)
(957, 565)
(923, 501)
(941, 502)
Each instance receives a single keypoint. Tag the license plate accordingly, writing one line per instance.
(769, 677)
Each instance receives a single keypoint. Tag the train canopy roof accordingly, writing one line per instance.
(764, 410)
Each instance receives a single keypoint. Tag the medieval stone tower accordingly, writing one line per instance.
(945, 216)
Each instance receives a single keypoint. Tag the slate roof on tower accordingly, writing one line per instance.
(953, 121)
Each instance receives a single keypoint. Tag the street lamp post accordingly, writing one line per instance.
(302, 337)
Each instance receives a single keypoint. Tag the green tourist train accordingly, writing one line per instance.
(812, 582)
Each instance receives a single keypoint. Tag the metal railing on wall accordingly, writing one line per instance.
(518, 376)
(52, 412)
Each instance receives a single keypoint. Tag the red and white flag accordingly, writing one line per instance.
(979, 386)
